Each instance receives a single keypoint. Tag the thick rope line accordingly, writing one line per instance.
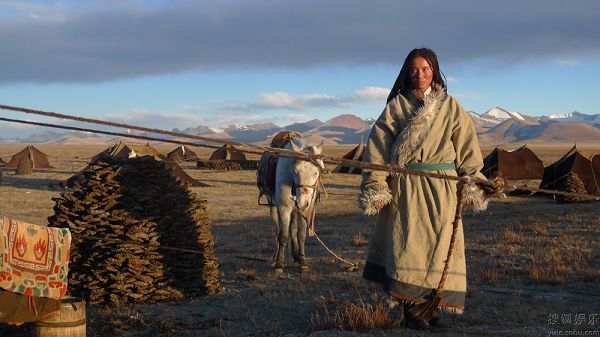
(290, 154)
(262, 149)
(276, 151)
(110, 133)
(425, 311)
(129, 126)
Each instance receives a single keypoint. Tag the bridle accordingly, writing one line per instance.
(314, 188)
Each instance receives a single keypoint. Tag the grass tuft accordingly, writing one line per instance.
(358, 240)
(358, 316)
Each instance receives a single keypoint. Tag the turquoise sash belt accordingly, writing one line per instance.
(431, 167)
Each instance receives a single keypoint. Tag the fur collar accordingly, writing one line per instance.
(411, 138)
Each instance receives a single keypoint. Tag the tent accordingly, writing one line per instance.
(182, 153)
(24, 167)
(227, 152)
(356, 154)
(38, 158)
(180, 174)
(585, 165)
(122, 150)
(518, 164)
(125, 151)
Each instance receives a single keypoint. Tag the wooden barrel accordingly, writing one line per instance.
(69, 321)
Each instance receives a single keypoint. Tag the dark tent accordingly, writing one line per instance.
(122, 150)
(228, 152)
(356, 154)
(125, 151)
(518, 164)
(577, 162)
(38, 158)
(180, 174)
(182, 153)
(24, 167)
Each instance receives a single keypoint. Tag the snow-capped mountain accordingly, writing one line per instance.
(483, 122)
(501, 114)
(576, 117)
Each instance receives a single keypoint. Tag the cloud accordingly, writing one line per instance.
(565, 63)
(466, 95)
(371, 94)
(101, 41)
(159, 120)
(283, 101)
(34, 11)
(451, 79)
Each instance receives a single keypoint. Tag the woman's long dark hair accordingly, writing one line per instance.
(403, 81)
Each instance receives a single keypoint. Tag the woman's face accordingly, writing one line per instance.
(420, 73)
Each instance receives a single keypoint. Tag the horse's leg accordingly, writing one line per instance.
(283, 212)
(275, 218)
(294, 235)
(302, 230)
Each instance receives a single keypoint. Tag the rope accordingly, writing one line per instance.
(353, 266)
(123, 242)
(132, 127)
(291, 154)
(460, 191)
(594, 173)
(425, 311)
(259, 149)
(275, 151)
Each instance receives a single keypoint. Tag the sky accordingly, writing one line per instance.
(183, 63)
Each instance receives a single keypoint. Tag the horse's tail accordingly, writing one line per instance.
(265, 177)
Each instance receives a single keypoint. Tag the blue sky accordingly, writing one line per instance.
(168, 64)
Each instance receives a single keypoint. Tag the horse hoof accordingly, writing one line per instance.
(303, 263)
(278, 271)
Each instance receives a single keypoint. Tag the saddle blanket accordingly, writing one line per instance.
(34, 260)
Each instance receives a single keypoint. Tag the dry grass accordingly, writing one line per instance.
(493, 273)
(247, 274)
(548, 266)
(511, 237)
(359, 316)
(358, 240)
(512, 251)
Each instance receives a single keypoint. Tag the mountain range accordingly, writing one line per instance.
(495, 126)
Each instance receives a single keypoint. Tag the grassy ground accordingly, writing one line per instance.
(533, 265)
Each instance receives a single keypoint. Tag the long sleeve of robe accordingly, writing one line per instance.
(412, 234)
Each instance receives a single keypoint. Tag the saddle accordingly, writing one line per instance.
(265, 175)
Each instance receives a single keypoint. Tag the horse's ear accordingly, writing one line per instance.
(318, 149)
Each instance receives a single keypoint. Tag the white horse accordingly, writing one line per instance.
(292, 204)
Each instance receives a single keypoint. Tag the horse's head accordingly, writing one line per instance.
(306, 178)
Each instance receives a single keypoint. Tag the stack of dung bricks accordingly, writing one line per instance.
(134, 201)
(227, 165)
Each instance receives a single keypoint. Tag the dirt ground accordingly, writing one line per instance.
(533, 264)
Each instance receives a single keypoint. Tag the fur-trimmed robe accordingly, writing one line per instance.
(412, 234)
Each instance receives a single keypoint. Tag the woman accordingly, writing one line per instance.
(421, 128)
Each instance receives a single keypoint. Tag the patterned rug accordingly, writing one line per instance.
(34, 260)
